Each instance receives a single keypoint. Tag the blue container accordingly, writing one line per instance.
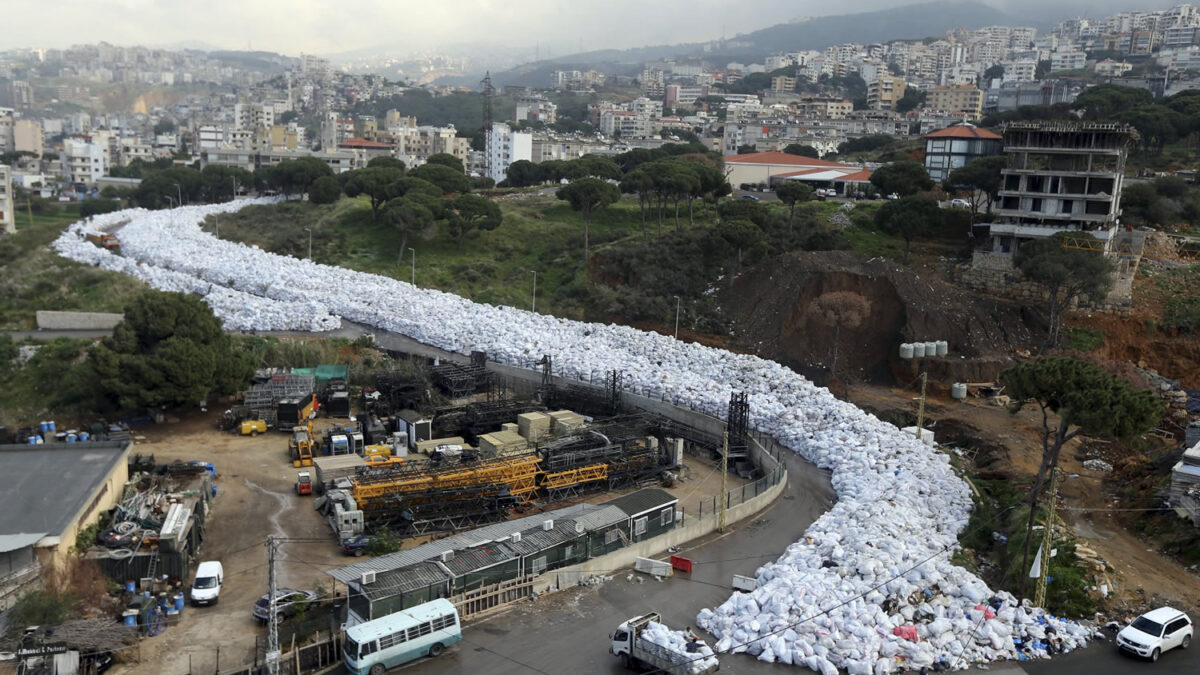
(212, 469)
(83, 436)
(131, 586)
(179, 602)
(130, 617)
(71, 438)
(51, 423)
(32, 440)
(44, 426)
(214, 489)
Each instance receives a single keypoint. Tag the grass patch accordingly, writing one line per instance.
(1084, 339)
(35, 277)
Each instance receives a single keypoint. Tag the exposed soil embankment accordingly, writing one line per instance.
(792, 308)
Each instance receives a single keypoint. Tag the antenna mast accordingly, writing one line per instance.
(488, 90)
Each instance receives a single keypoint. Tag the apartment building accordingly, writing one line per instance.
(253, 116)
(1068, 60)
(1019, 71)
(27, 136)
(885, 92)
(84, 160)
(535, 109)
(7, 122)
(950, 148)
(1110, 68)
(965, 99)
(504, 147)
(683, 94)
(782, 83)
(7, 224)
(828, 107)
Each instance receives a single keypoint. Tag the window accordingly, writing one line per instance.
(1178, 624)
(370, 648)
(612, 536)
(666, 516)
(539, 565)
(392, 640)
(569, 551)
(639, 526)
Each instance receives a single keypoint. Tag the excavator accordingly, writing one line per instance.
(301, 445)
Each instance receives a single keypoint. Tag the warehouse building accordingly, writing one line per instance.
(54, 490)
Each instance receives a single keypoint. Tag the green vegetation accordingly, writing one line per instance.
(34, 277)
(1083, 339)
(1066, 274)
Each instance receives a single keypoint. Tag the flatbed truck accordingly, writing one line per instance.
(637, 652)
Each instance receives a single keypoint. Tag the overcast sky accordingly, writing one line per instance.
(333, 26)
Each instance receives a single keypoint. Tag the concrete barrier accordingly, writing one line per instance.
(77, 320)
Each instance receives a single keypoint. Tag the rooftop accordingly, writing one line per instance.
(642, 501)
(964, 131)
(363, 143)
(48, 485)
(784, 158)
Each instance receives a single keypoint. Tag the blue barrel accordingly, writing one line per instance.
(214, 489)
(71, 438)
(212, 469)
(32, 440)
(131, 586)
(179, 602)
(130, 617)
(44, 426)
(84, 436)
(51, 423)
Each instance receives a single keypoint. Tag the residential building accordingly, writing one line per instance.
(652, 82)
(1185, 482)
(83, 160)
(885, 92)
(504, 147)
(1019, 71)
(1060, 176)
(253, 116)
(414, 144)
(950, 148)
(783, 83)
(21, 94)
(7, 224)
(683, 94)
(27, 136)
(364, 151)
(1110, 68)
(1176, 37)
(535, 109)
(1068, 60)
(829, 107)
(966, 99)
(7, 128)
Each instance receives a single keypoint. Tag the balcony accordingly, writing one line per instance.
(1033, 231)
(1055, 151)
(1056, 195)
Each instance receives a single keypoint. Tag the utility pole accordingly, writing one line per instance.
(724, 482)
(414, 266)
(309, 242)
(1039, 595)
(272, 655)
(677, 317)
(533, 305)
(921, 407)
(179, 193)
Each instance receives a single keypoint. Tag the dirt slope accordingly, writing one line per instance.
(773, 312)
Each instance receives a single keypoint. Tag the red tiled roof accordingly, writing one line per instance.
(362, 143)
(857, 177)
(963, 131)
(784, 158)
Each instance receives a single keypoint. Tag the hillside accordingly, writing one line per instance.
(908, 22)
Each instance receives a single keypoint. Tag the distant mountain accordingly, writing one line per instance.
(900, 23)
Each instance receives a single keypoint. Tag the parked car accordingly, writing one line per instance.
(357, 545)
(206, 587)
(1155, 632)
(893, 196)
(960, 204)
(287, 601)
(751, 197)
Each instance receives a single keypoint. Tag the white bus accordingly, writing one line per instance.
(386, 642)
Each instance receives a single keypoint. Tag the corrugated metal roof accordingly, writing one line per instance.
(48, 485)
(411, 578)
(433, 549)
(535, 540)
(14, 542)
(601, 518)
(468, 560)
(642, 501)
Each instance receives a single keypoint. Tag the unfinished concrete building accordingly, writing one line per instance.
(1061, 175)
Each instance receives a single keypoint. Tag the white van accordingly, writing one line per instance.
(207, 584)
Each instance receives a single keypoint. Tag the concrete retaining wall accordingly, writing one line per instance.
(77, 320)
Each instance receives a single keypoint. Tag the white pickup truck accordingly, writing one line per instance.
(636, 651)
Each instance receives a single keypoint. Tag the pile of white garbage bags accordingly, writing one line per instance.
(677, 641)
(870, 587)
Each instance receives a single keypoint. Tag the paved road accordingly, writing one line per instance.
(567, 632)
(1103, 659)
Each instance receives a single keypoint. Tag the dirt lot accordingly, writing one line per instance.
(1011, 445)
(255, 500)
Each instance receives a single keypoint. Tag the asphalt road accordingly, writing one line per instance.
(1102, 658)
(568, 632)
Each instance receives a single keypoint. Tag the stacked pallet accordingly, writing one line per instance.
(502, 444)
(565, 421)
(533, 425)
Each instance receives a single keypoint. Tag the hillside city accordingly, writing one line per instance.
(858, 357)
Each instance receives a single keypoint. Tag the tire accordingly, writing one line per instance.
(435, 650)
(626, 662)
(254, 432)
(1187, 640)
(1155, 654)
(378, 669)
(358, 553)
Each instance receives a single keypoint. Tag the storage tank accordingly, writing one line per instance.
(958, 391)
(943, 347)
(931, 349)
(919, 350)
(906, 350)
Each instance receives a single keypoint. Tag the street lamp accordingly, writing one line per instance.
(414, 266)
(179, 193)
(309, 229)
(676, 317)
(234, 181)
(170, 200)
(533, 308)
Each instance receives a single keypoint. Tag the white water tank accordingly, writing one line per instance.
(930, 349)
(919, 350)
(906, 350)
(958, 391)
(943, 347)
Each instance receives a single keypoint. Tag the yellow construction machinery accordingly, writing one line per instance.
(301, 445)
